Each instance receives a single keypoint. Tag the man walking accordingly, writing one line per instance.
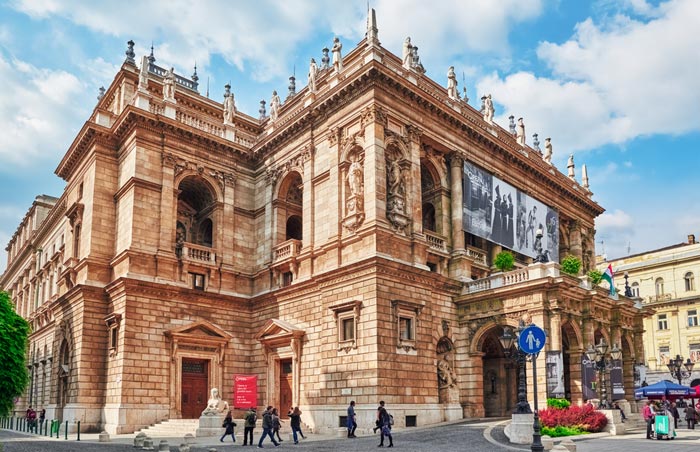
(352, 423)
(385, 421)
(267, 428)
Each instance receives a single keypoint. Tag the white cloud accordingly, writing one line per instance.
(38, 109)
(610, 86)
(616, 220)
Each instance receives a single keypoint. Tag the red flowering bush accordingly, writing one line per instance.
(584, 417)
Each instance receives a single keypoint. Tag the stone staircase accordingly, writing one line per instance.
(172, 428)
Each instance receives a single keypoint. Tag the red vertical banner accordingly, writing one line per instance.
(245, 391)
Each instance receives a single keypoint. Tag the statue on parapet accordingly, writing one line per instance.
(313, 71)
(547, 150)
(215, 405)
(520, 133)
(452, 92)
(337, 56)
(274, 106)
(488, 109)
(169, 85)
(407, 54)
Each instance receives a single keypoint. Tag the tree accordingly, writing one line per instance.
(504, 261)
(13, 345)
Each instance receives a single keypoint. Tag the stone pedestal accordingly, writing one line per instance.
(520, 429)
(453, 412)
(229, 132)
(615, 425)
(170, 108)
(210, 426)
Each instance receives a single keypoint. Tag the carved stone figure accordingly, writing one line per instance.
(416, 64)
(452, 92)
(337, 56)
(143, 73)
(313, 71)
(325, 59)
(570, 166)
(169, 85)
(407, 54)
(520, 132)
(215, 405)
(548, 150)
(274, 106)
(355, 177)
(396, 183)
(229, 105)
(488, 109)
(446, 376)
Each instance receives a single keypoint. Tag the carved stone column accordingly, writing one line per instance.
(225, 231)
(575, 377)
(307, 158)
(375, 171)
(456, 170)
(575, 246)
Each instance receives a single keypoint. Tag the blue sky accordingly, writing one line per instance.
(616, 83)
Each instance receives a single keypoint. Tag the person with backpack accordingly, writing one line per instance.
(267, 428)
(385, 422)
(228, 425)
(251, 417)
(276, 425)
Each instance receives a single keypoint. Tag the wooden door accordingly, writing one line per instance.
(195, 384)
(285, 388)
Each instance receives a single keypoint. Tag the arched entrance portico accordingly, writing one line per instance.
(499, 376)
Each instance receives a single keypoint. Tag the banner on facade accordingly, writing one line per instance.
(618, 386)
(588, 378)
(245, 391)
(500, 213)
(555, 374)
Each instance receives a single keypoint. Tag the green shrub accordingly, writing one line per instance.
(596, 276)
(561, 430)
(504, 261)
(558, 403)
(570, 265)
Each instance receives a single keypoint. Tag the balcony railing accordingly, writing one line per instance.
(436, 242)
(198, 253)
(479, 256)
(533, 271)
(287, 249)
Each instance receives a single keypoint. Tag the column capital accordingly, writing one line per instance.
(455, 159)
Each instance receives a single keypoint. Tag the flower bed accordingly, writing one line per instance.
(572, 420)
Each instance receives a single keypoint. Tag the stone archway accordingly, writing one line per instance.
(499, 376)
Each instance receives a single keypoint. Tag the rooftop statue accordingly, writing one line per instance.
(407, 55)
(337, 56)
(313, 71)
(520, 132)
(452, 92)
(488, 109)
(274, 106)
(169, 85)
(229, 105)
(548, 150)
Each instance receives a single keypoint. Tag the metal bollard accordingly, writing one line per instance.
(78, 430)
(66, 432)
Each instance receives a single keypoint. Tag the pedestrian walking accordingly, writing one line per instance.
(385, 421)
(648, 414)
(267, 427)
(228, 425)
(251, 417)
(295, 422)
(351, 422)
(690, 415)
(276, 424)
(377, 422)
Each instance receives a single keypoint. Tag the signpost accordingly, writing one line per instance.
(531, 341)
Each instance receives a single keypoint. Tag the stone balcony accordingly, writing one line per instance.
(286, 250)
(436, 242)
(532, 271)
(198, 253)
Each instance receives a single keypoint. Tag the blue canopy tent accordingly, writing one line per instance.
(663, 388)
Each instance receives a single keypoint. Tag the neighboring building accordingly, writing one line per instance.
(339, 249)
(666, 280)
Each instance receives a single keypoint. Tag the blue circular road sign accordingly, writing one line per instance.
(531, 339)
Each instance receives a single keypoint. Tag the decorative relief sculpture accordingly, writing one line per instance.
(446, 376)
(520, 132)
(354, 202)
(452, 91)
(229, 105)
(313, 71)
(337, 56)
(169, 85)
(215, 405)
(274, 106)
(396, 195)
(547, 150)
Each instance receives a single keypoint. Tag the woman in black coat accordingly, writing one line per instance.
(228, 425)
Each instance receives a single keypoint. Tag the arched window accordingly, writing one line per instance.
(205, 232)
(635, 289)
(196, 211)
(659, 283)
(294, 228)
(429, 217)
(64, 374)
(689, 282)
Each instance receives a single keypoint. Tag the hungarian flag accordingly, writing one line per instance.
(608, 276)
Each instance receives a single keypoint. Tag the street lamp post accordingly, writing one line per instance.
(599, 356)
(507, 339)
(680, 370)
(628, 289)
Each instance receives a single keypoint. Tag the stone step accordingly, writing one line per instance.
(172, 428)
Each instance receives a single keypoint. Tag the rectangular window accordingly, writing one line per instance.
(406, 331)
(694, 352)
(692, 318)
(287, 278)
(663, 322)
(197, 281)
(348, 329)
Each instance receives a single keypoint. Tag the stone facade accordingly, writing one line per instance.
(300, 251)
(664, 280)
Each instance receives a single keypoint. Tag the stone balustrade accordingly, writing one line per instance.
(287, 249)
(531, 272)
(198, 253)
(436, 242)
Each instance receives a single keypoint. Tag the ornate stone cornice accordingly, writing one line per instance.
(373, 114)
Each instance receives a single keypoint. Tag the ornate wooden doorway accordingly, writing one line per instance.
(195, 383)
(286, 375)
